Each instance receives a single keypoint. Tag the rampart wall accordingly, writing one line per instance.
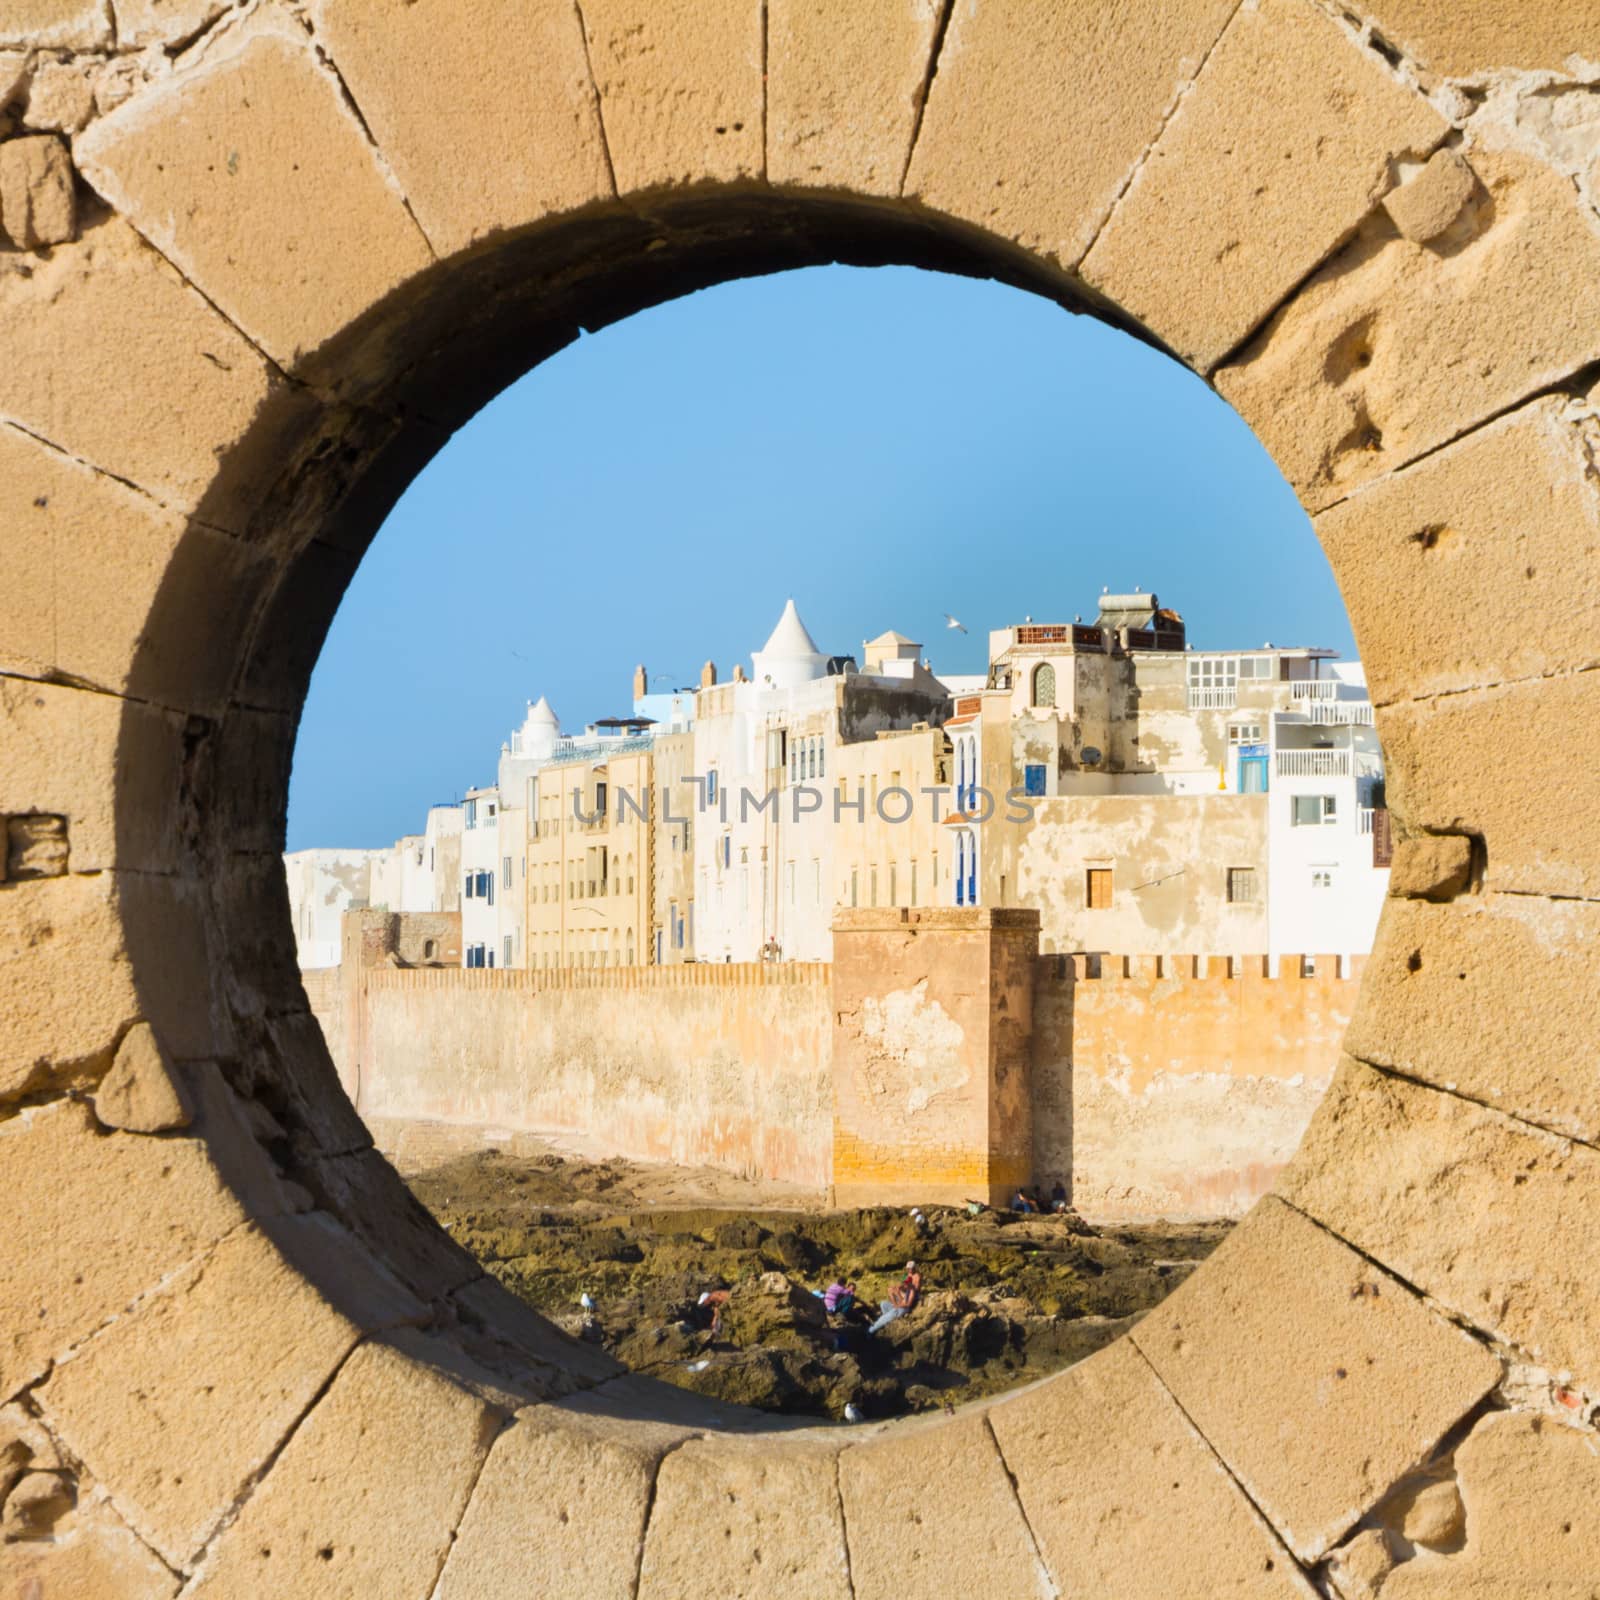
(911, 1070)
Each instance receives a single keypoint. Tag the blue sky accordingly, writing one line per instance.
(885, 445)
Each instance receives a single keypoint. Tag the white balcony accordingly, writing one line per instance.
(1356, 713)
(1314, 764)
(1213, 699)
(1316, 689)
(1364, 817)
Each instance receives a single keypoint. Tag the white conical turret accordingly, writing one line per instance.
(541, 730)
(790, 656)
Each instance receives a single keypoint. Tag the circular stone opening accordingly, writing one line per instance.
(586, 998)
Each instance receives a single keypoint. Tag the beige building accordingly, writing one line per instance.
(589, 851)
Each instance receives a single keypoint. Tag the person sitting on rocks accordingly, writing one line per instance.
(1020, 1202)
(839, 1299)
(1058, 1197)
(902, 1298)
(711, 1303)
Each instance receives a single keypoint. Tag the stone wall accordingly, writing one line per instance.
(939, 1059)
(308, 247)
(1180, 1085)
(721, 1065)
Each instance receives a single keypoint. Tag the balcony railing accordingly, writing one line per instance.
(1213, 699)
(1313, 763)
(1364, 819)
(1342, 712)
(1316, 689)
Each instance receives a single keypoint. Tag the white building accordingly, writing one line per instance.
(481, 871)
(323, 885)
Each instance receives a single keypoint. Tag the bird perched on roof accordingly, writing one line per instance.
(950, 622)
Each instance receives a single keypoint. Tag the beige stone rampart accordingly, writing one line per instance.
(259, 260)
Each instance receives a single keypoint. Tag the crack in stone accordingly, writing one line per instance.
(1172, 110)
(1051, 1587)
(599, 99)
(930, 72)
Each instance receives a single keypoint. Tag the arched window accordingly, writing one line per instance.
(1044, 684)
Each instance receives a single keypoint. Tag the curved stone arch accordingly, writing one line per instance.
(318, 246)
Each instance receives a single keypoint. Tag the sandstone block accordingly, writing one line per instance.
(66, 985)
(1425, 205)
(1529, 1486)
(1106, 1463)
(488, 1305)
(681, 91)
(56, 24)
(767, 1508)
(1448, 763)
(85, 1264)
(439, 85)
(1357, 1569)
(366, 1194)
(562, 1504)
(845, 87)
(1467, 40)
(1394, 348)
(1283, 145)
(60, 98)
(367, 1492)
(909, 1533)
(1431, 867)
(1475, 564)
(1486, 1215)
(251, 175)
(183, 1401)
(176, 972)
(13, 75)
(108, 304)
(85, 559)
(35, 1503)
(1040, 111)
(1317, 1378)
(1493, 996)
(142, 1093)
(91, 1556)
(111, 767)
(168, 22)
(38, 207)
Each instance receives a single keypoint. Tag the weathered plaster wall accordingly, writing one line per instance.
(1177, 1086)
(930, 1059)
(721, 1065)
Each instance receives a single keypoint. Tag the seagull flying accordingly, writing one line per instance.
(950, 622)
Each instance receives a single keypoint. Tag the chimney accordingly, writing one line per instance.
(708, 675)
(641, 683)
(738, 674)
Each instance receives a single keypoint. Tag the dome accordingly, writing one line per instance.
(790, 655)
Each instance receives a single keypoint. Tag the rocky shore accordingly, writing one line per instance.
(1006, 1299)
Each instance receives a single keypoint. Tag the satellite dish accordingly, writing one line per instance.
(1091, 756)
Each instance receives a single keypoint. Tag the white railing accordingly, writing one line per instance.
(1316, 689)
(1313, 763)
(1364, 819)
(1212, 699)
(1344, 712)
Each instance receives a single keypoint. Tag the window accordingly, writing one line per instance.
(1322, 877)
(1044, 685)
(466, 893)
(1308, 966)
(1255, 667)
(913, 900)
(505, 872)
(1313, 810)
(472, 814)
(1213, 682)
(507, 959)
(1033, 778)
(711, 786)
(1241, 886)
(1244, 733)
(428, 948)
(853, 885)
(600, 799)
(1097, 889)
(894, 884)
